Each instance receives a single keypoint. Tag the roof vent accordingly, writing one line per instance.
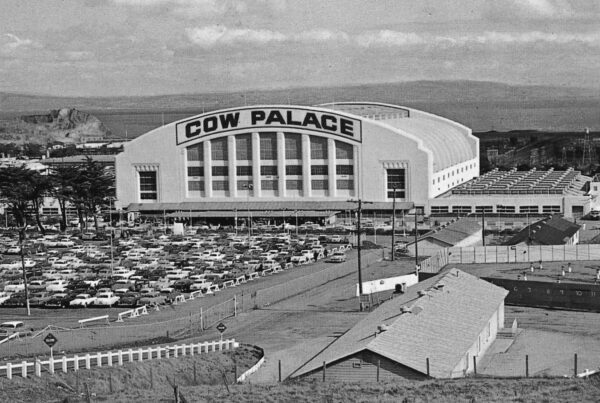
(406, 309)
(382, 328)
(422, 293)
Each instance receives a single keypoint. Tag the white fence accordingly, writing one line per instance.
(111, 358)
(508, 254)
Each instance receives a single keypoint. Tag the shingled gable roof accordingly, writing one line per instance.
(454, 232)
(553, 230)
(442, 325)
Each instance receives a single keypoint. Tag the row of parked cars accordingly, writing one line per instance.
(150, 269)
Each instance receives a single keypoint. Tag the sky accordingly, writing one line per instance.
(154, 47)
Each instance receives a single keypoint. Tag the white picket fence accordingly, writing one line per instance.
(111, 358)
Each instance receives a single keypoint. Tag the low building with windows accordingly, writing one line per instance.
(263, 158)
(520, 193)
(439, 328)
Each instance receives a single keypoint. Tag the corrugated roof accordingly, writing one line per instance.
(553, 230)
(266, 206)
(450, 145)
(255, 214)
(442, 325)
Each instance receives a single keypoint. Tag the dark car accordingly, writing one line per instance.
(17, 299)
(60, 300)
(130, 299)
(39, 298)
(182, 285)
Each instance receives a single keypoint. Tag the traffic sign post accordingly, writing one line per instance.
(221, 328)
(50, 341)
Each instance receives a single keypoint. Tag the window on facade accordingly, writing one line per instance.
(269, 170)
(344, 151)
(195, 171)
(195, 152)
(50, 210)
(345, 184)
(318, 169)
(396, 179)
(244, 184)
(439, 209)
(344, 169)
(243, 170)
(196, 186)
(528, 209)
(268, 146)
(268, 184)
(320, 184)
(219, 149)
(293, 170)
(505, 209)
(318, 148)
(293, 146)
(243, 147)
(293, 184)
(462, 209)
(550, 209)
(220, 185)
(484, 209)
(148, 185)
(220, 171)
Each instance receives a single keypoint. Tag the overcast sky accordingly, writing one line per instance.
(144, 47)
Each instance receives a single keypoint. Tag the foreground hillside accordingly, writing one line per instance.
(152, 382)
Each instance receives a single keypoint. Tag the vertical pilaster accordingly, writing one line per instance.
(281, 164)
(331, 162)
(306, 177)
(256, 165)
(207, 169)
(231, 163)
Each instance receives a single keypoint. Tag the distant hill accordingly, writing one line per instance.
(400, 93)
(480, 105)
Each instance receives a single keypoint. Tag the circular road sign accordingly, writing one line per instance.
(221, 327)
(50, 340)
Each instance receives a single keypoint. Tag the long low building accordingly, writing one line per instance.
(296, 156)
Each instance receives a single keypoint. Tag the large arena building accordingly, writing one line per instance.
(296, 157)
(277, 160)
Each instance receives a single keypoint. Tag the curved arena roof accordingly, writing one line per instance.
(451, 143)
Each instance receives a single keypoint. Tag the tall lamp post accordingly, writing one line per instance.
(249, 188)
(416, 241)
(358, 229)
(393, 224)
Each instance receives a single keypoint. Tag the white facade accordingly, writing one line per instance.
(296, 153)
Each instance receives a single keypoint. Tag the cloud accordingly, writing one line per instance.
(397, 39)
(208, 37)
(206, 8)
(320, 36)
(13, 42)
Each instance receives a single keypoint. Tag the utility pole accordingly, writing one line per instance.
(483, 226)
(358, 229)
(416, 241)
(393, 225)
(22, 232)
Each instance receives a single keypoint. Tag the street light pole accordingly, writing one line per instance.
(483, 226)
(416, 241)
(358, 247)
(393, 224)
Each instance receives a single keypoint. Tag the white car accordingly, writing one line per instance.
(337, 257)
(299, 259)
(14, 286)
(106, 299)
(82, 300)
(58, 285)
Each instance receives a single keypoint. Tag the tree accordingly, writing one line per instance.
(63, 179)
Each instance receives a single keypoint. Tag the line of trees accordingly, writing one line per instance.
(87, 187)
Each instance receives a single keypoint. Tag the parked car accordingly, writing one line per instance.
(82, 301)
(106, 299)
(337, 257)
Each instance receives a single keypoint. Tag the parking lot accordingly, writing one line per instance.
(70, 278)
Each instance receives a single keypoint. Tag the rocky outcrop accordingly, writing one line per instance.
(65, 125)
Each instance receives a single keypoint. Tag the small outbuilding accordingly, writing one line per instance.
(460, 233)
(553, 230)
(437, 329)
